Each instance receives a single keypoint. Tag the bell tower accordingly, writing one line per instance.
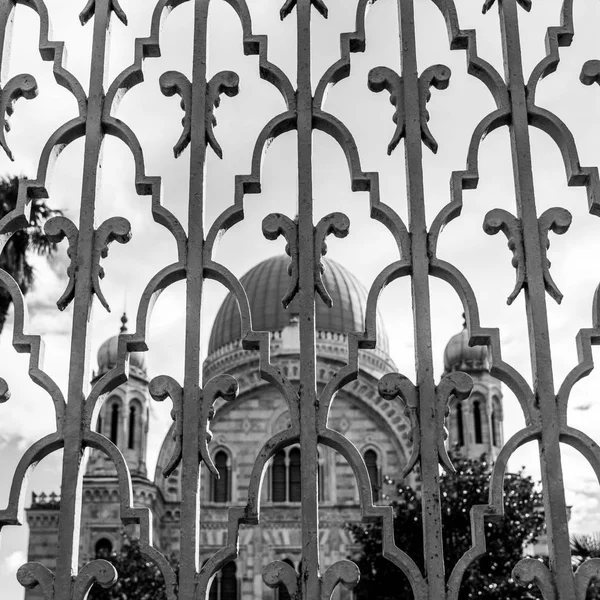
(124, 420)
(475, 424)
(125, 414)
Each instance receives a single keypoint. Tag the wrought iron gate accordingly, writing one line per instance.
(76, 409)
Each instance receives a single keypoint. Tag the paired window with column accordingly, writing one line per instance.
(225, 584)
(479, 422)
(133, 426)
(286, 476)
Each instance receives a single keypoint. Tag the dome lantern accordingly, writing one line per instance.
(459, 356)
(108, 354)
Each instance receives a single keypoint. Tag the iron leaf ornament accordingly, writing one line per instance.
(497, 220)
(554, 219)
(279, 573)
(20, 86)
(224, 82)
(4, 391)
(174, 82)
(532, 570)
(160, 388)
(171, 83)
(557, 220)
(221, 386)
(335, 223)
(115, 229)
(437, 76)
(90, 9)
(384, 78)
(274, 225)
(458, 385)
(289, 6)
(57, 229)
(32, 574)
(396, 385)
(590, 72)
(98, 571)
(526, 4)
(343, 572)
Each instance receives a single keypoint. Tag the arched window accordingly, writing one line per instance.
(286, 476)
(229, 588)
(114, 424)
(221, 487)
(295, 478)
(103, 548)
(278, 478)
(460, 426)
(494, 429)
(321, 480)
(132, 423)
(99, 426)
(370, 457)
(282, 591)
(224, 585)
(213, 594)
(477, 422)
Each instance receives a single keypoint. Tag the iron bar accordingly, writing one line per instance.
(433, 549)
(307, 392)
(192, 383)
(72, 472)
(537, 315)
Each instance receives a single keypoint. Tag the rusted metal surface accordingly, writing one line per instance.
(425, 400)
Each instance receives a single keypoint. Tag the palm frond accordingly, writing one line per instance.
(585, 546)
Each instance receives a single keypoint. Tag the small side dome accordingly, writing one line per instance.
(459, 356)
(107, 353)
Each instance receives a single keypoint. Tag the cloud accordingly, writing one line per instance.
(13, 561)
(13, 442)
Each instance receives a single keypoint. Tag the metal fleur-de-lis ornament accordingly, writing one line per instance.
(20, 86)
(289, 5)
(497, 220)
(526, 4)
(335, 223)
(274, 225)
(90, 9)
(221, 386)
(174, 82)
(114, 229)
(554, 219)
(383, 78)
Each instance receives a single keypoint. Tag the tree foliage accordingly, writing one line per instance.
(490, 577)
(15, 256)
(139, 578)
(584, 547)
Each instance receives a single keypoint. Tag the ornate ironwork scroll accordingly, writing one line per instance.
(425, 399)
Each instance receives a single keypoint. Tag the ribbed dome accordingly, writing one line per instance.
(459, 356)
(267, 283)
(107, 353)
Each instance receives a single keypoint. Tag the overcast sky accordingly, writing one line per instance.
(156, 120)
